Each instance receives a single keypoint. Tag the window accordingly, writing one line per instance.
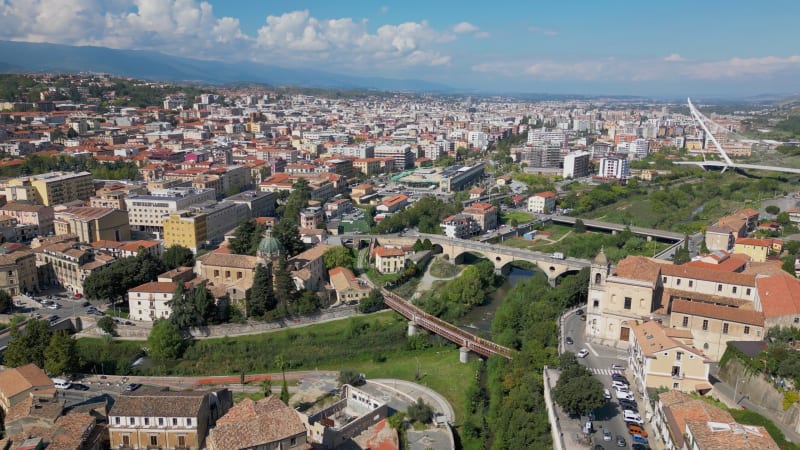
(678, 356)
(705, 346)
(746, 330)
(724, 328)
(130, 420)
(678, 282)
(227, 274)
(216, 273)
(596, 303)
(676, 371)
(747, 291)
(719, 288)
(797, 320)
(116, 420)
(734, 289)
(238, 275)
(147, 421)
(628, 301)
(705, 325)
(189, 422)
(691, 283)
(174, 422)
(685, 321)
(161, 421)
(153, 440)
(664, 279)
(676, 385)
(293, 442)
(181, 441)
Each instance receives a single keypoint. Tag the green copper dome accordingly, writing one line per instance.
(269, 247)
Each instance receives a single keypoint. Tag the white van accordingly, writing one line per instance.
(61, 383)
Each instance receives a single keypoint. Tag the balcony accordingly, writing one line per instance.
(678, 376)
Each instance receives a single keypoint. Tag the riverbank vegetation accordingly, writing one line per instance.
(453, 299)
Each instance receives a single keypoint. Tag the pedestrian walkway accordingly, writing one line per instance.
(604, 371)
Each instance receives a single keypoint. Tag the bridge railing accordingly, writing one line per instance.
(443, 328)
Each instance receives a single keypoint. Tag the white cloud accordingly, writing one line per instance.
(742, 67)
(674, 58)
(481, 35)
(543, 31)
(465, 27)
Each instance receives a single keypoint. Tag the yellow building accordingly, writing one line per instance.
(18, 273)
(54, 188)
(93, 224)
(186, 229)
(756, 249)
(389, 260)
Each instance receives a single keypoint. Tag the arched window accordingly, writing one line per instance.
(597, 278)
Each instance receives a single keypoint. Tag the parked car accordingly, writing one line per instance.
(624, 395)
(607, 394)
(617, 367)
(53, 306)
(619, 384)
(132, 387)
(635, 446)
(579, 312)
(569, 341)
(606, 434)
(619, 377)
(583, 353)
(628, 404)
(636, 429)
(638, 439)
(621, 441)
(79, 387)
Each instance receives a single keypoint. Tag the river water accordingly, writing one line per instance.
(479, 320)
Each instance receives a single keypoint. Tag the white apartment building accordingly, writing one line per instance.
(576, 165)
(478, 139)
(401, 154)
(460, 226)
(147, 212)
(359, 151)
(149, 301)
(542, 203)
(640, 148)
(614, 167)
(544, 137)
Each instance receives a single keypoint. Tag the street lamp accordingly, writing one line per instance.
(736, 389)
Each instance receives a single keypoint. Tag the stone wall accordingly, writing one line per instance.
(760, 391)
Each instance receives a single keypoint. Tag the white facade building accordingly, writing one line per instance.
(147, 212)
(576, 165)
(618, 168)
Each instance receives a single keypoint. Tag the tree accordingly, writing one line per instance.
(6, 303)
(165, 340)
(420, 411)
(246, 237)
(182, 313)
(372, 303)
(280, 362)
(283, 285)
(28, 345)
(107, 324)
(578, 395)
(350, 377)
(177, 256)
(204, 305)
(61, 354)
(579, 227)
(339, 257)
(772, 209)
(789, 264)
(262, 296)
(113, 282)
(682, 255)
(287, 233)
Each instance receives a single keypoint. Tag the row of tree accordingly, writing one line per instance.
(35, 343)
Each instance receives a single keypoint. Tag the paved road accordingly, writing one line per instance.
(599, 362)
(412, 391)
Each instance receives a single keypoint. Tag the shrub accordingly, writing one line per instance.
(789, 399)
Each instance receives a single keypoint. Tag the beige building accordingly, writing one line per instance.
(67, 264)
(55, 188)
(756, 249)
(93, 224)
(265, 424)
(30, 214)
(17, 384)
(542, 203)
(18, 273)
(780, 300)
(666, 358)
(349, 289)
(113, 196)
(483, 213)
(714, 325)
(226, 270)
(389, 260)
(165, 419)
(308, 268)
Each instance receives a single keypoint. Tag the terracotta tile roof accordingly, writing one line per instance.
(753, 241)
(654, 338)
(717, 276)
(385, 252)
(23, 207)
(711, 435)
(20, 379)
(156, 287)
(229, 260)
(311, 254)
(159, 404)
(545, 194)
(734, 263)
(679, 408)
(252, 424)
(725, 313)
(638, 268)
(779, 294)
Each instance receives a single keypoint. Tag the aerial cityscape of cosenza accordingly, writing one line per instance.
(399, 225)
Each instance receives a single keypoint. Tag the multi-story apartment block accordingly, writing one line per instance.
(260, 204)
(401, 155)
(756, 249)
(93, 224)
(367, 166)
(202, 224)
(150, 301)
(614, 167)
(147, 212)
(67, 264)
(360, 151)
(460, 226)
(55, 188)
(29, 214)
(542, 202)
(113, 195)
(576, 165)
(18, 273)
(483, 213)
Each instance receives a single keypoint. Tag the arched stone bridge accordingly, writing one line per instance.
(501, 256)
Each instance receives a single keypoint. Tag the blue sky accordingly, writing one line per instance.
(733, 47)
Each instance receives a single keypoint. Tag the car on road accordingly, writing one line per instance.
(617, 367)
(606, 434)
(638, 439)
(579, 312)
(636, 429)
(619, 384)
(583, 353)
(621, 441)
(607, 394)
(132, 387)
(79, 387)
(635, 446)
(569, 341)
(619, 377)
(625, 395)
(628, 404)
(53, 318)
(52, 306)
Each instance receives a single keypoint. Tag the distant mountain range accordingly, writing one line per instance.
(148, 65)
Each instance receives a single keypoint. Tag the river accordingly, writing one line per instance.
(479, 320)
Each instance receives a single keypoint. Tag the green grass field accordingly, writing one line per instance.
(520, 217)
